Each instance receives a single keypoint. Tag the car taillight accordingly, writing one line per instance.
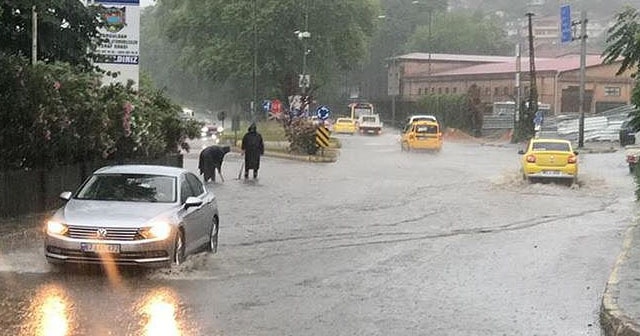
(531, 158)
(572, 159)
(632, 159)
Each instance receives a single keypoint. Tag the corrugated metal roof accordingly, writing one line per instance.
(561, 64)
(454, 58)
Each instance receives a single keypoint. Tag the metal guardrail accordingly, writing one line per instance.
(605, 127)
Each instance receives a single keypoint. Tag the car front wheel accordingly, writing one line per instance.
(178, 254)
(213, 237)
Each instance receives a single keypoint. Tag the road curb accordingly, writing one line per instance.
(309, 158)
(613, 320)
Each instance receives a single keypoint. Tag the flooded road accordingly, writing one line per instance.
(382, 242)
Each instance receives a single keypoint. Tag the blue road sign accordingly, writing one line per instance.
(538, 118)
(566, 26)
(323, 112)
(266, 105)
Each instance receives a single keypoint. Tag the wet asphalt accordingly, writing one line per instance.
(381, 242)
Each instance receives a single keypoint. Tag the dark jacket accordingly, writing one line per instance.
(253, 148)
(210, 159)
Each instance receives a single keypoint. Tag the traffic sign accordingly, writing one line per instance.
(304, 81)
(566, 26)
(322, 136)
(276, 106)
(323, 112)
(266, 105)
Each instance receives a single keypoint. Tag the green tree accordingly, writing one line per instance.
(67, 30)
(461, 32)
(623, 43)
(215, 39)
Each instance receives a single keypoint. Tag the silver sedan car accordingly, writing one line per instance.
(134, 215)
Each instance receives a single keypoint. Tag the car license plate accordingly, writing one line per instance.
(551, 172)
(100, 248)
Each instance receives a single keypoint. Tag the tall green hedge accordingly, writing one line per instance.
(54, 114)
(461, 111)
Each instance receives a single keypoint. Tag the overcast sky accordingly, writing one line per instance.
(144, 3)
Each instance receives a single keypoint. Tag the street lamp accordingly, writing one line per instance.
(255, 64)
(430, 9)
(304, 81)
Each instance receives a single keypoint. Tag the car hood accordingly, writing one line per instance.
(114, 214)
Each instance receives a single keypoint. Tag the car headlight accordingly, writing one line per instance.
(220, 129)
(57, 228)
(160, 230)
(204, 129)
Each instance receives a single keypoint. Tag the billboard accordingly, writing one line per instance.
(119, 53)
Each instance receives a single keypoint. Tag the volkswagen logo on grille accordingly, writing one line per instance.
(101, 233)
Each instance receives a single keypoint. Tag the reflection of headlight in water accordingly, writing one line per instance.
(159, 308)
(50, 313)
(54, 317)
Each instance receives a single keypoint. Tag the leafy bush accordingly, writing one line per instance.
(301, 134)
(56, 114)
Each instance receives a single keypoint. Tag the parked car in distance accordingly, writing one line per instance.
(549, 159)
(424, 135)
(632, 156)
(627, 134)
(370, 124)
(134, 215)
(345, 125)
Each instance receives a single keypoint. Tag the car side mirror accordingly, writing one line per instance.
(521, 152)
(65, 196)
(192, 202)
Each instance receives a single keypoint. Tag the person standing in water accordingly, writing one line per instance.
(252, 149)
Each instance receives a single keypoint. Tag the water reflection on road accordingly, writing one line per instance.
(49, 313)
(58, 305)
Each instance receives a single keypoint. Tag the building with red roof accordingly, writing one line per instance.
(417, 74)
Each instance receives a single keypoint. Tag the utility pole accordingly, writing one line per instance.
(304, 52)
(527, 121)
(517, 110)
(583, 56)
(34, 35)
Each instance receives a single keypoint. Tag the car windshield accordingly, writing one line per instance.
(551, 146)
(368, 119)
(427, 129)
(344, 121)
(129, 188)
(423, 119)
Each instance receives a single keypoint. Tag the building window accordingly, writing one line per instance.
(455, 90)
(487, 91)
(613, 91)
(439, 90)
(433, 90)
(505, 91)
(496, 91)
(446, 90)
(419, 91)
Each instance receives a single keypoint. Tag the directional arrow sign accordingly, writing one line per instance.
(323, 112)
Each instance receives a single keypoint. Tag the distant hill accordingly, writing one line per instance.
(515, 8)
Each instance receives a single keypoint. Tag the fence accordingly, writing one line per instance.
(35, 191)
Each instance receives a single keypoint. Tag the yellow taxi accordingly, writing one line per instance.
(549, 159)
(422, 135)
(345, 125)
